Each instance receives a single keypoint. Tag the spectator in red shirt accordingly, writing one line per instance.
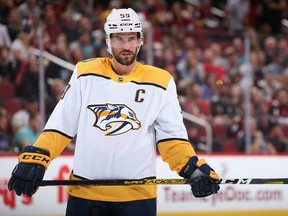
(210, 66)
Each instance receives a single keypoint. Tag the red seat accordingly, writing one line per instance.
(219, 131)
(201, 131)
(12, 105)
(285, 130)
(7, 89)
(229, 145)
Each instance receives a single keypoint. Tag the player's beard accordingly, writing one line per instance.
(125, 60)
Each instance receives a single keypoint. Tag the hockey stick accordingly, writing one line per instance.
(157, 182)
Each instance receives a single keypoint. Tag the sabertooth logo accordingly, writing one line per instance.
(115, 119)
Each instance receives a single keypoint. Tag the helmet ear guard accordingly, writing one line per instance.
(122, 21)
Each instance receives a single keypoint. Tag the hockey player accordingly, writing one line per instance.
(122, 112)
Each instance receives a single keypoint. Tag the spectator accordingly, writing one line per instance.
(278, 139)
(57, 87)
(236, 12)
(5, 8)
(194, 136)
(272, 15)
(204, 17)
(188, 43)
(223, 108)
(27, 7)
(190, 68)
(211, 67)
(85, 44)
(21, 117)
(238, 45)
(277, 66)
(209, 87)
(14, 23)
(278, 106)
(68, 27)
(76, 54)
(270, 48)
(27, 135)
(176, 16)
(5, 40)
(284, 80)
(169, 58)
(75, 7)
(269, 86)
(46, 40)
(51, 25)
(202, 105)
(283, 49)
(60, 50)
(19, 67)
(263, 118)
(21, 45)
(258, 142)
(5, 138)
(84, 25)
(260, 67)
(232, 63)
(8, 69)
(218, 54)
(29, 85)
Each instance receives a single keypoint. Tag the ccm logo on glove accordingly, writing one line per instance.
(28, 157)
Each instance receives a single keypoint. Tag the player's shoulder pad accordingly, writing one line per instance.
(156, 76)
(91, 66)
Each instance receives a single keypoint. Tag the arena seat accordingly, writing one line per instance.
(229, 145)
(219, 131)
(12, 105)
(7, 89)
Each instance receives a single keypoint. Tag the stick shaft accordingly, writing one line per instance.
(157, 182)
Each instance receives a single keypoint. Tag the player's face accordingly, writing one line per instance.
(124, 47)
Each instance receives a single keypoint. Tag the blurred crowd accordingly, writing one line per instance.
(201, 43)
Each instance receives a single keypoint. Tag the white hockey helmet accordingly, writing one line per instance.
(122, 21)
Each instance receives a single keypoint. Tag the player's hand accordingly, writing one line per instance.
(203, 179)
(29, 171)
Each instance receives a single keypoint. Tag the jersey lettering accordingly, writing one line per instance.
(137, 96)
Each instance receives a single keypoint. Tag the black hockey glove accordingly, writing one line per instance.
(203, 179)
(29, 171)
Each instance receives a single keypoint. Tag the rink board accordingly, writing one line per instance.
(173, 200)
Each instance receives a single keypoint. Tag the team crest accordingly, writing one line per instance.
(115, 119)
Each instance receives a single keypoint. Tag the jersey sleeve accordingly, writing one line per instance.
(171, 135)
(62, 124)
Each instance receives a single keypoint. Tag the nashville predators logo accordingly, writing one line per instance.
(115, 119)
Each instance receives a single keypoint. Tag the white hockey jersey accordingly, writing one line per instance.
(120, 122)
